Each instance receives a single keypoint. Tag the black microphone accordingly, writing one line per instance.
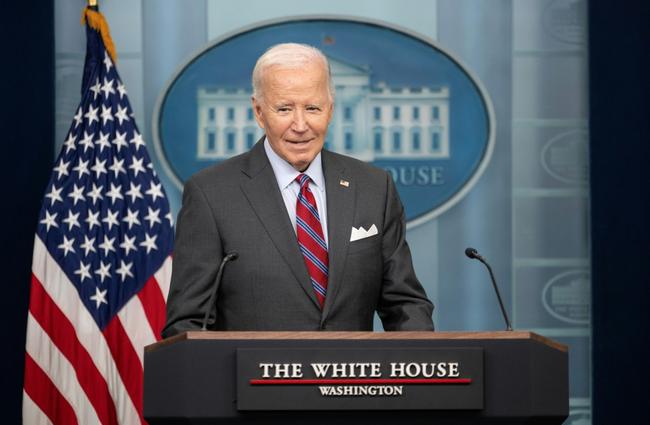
(217, 282)
(474, 255)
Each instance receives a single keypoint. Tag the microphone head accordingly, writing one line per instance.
(233, 256)
(471, 253)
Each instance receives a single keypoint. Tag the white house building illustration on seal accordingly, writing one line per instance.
(369, 122)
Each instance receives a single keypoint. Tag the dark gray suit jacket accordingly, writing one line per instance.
(237, 206)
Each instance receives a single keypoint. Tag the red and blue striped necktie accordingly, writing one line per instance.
(310, 238)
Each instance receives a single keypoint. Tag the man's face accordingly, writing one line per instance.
(294, 112)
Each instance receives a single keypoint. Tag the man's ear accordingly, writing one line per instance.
(330, 112)
(257, 110)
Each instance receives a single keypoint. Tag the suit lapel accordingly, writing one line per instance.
(261, 189)
(340, 212)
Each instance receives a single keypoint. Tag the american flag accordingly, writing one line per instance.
(101, 264)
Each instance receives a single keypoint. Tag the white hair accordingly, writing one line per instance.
(291, 56)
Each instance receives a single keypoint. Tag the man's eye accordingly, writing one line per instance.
(284, 109)
(313, 108)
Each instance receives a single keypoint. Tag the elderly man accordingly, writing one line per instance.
(320, 236)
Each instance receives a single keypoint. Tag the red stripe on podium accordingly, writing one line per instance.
(361, 381)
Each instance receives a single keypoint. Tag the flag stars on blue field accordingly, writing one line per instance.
(107, 62)
(107, 219)
(111, 219)
(125, 270)
(107, 245)
(117, 167)
(67, 245)
(92, 219)
(62, 169)
(115, 193)
(99, 168)
(69, 143)
(54, 195)
(121, 114)
(103, 271)
(87, 141)
(134, 192)
(77, 118)
(81, 168)
(96, 193)
(96, 88)
(120, 141)
(102, 142)
(155, 191)
(131, 218)
(91, 115)
(107, 88)
(128, 244)
(76, 194)
(49, 220)
(152, 216)
(88, 245)
(149, 242)
(137, 166)
(72, 220)
(99, 297)
(83, 271)
(121, 89)
(107, 114)
(137, 141)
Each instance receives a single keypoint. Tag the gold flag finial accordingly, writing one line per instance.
(97, 22)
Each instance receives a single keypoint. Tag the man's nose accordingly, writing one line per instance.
(299, 124)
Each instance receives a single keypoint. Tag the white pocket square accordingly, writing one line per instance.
(362, 233)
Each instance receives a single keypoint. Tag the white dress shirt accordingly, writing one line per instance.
(286, 175)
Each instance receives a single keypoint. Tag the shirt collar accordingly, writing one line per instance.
(285, 174)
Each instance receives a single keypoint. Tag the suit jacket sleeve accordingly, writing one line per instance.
(403, 305)
(197, 255)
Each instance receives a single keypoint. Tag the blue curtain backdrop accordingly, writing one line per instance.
(26, 136)
(620, 208)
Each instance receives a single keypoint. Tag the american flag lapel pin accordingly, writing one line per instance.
(344, 183)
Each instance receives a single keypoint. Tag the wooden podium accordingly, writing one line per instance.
(192, 378)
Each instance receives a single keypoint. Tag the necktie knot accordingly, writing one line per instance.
(303, 180)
